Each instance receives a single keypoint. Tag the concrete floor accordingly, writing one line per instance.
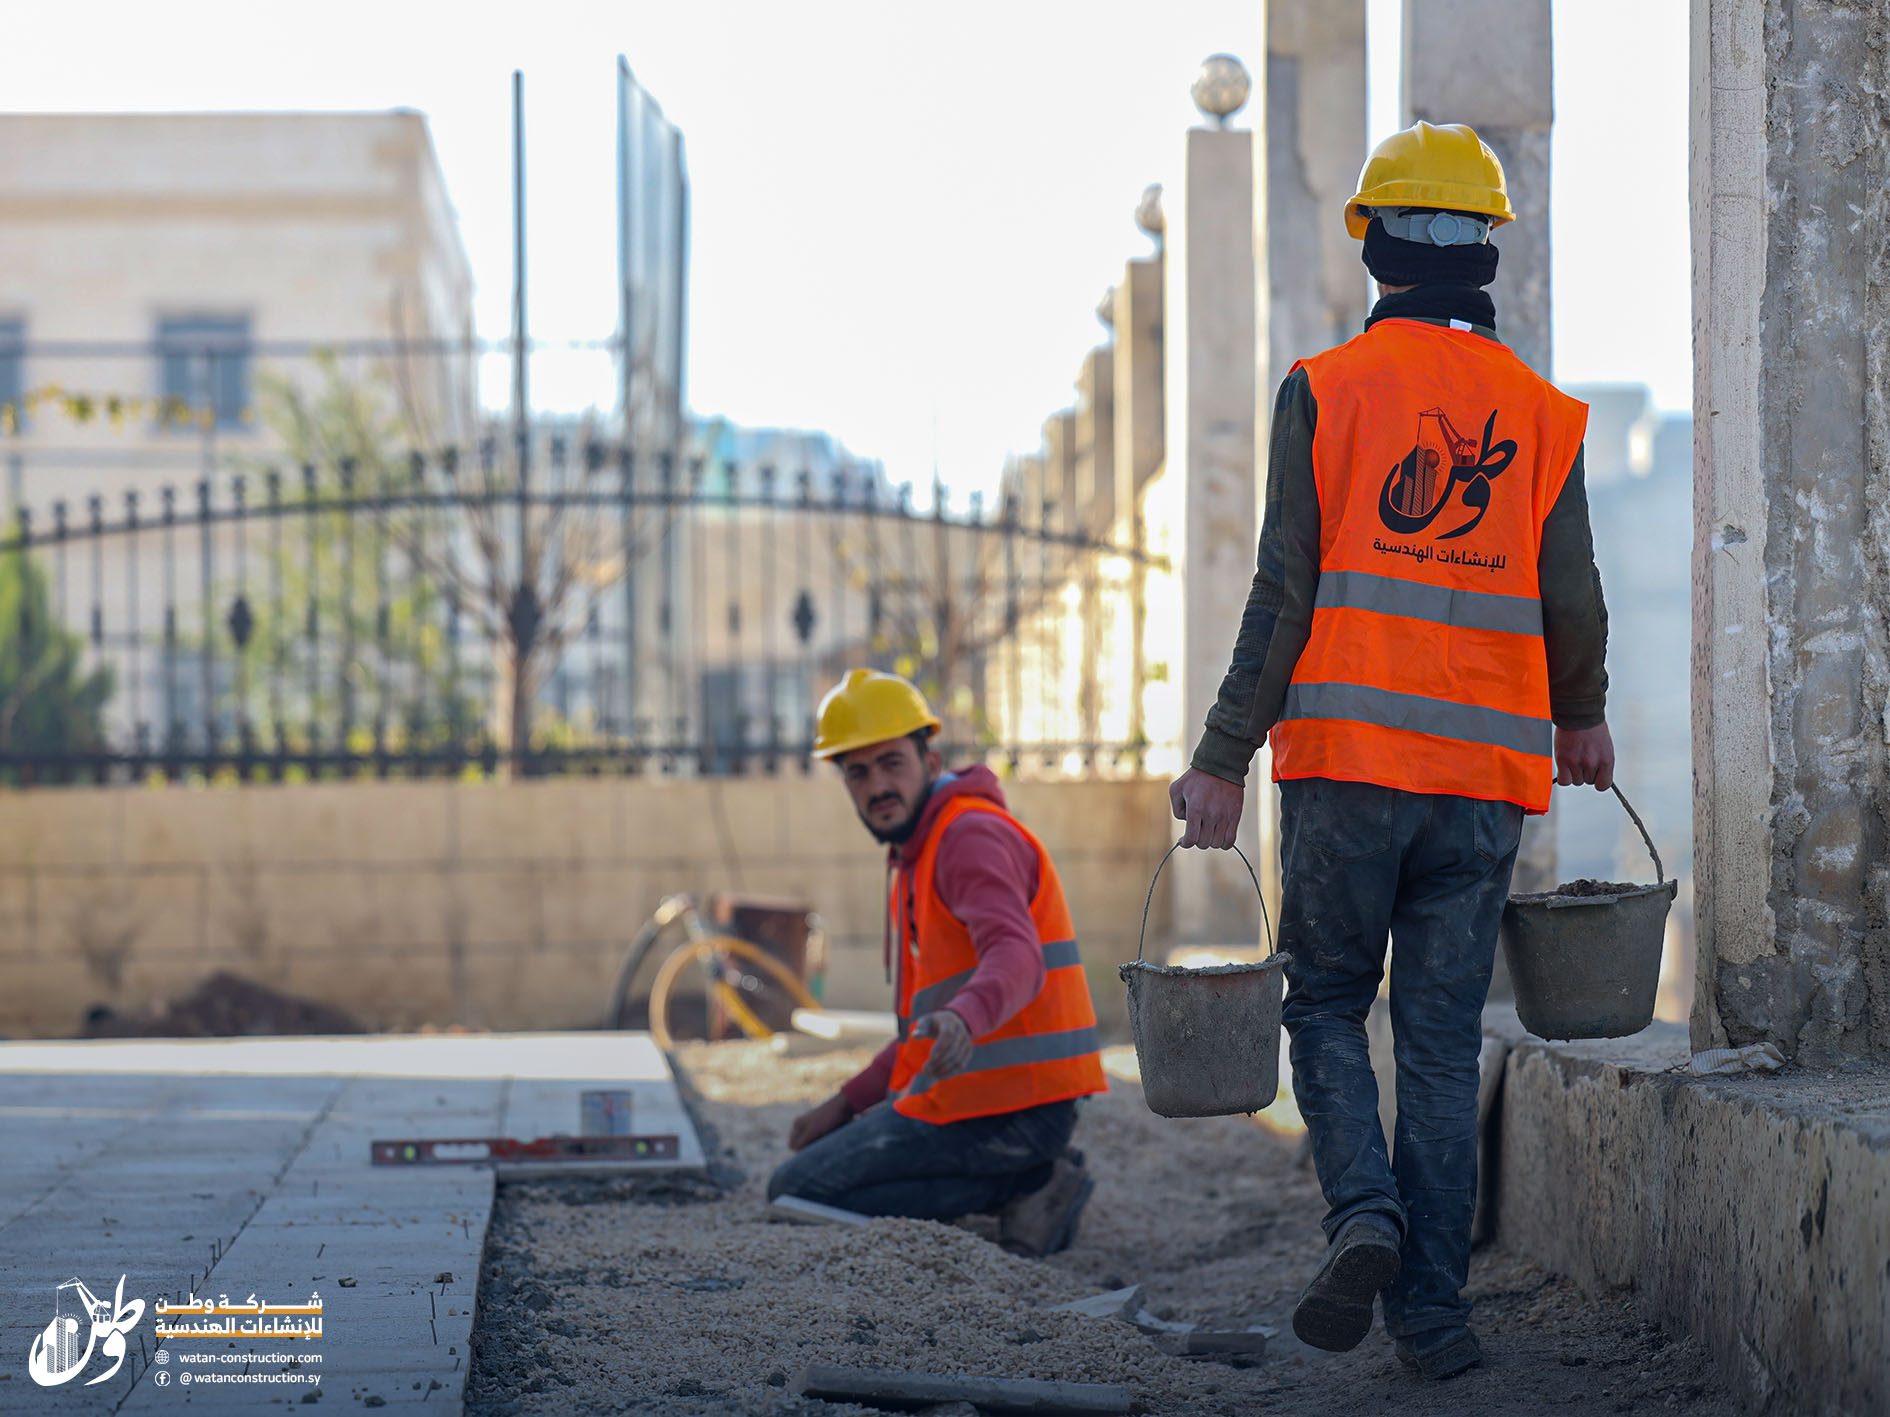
(239, 1168)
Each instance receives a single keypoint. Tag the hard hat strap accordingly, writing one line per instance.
(1434, 228)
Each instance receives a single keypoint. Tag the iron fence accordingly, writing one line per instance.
(545, 604)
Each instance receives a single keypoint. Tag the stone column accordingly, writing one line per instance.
(1791, 531)
(1096, 441)
(1489, 63)
(1096, 494)
(1139, 439)
(1315, 146)
(1210, 346)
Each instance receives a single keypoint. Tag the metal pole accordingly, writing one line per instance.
(520, 402)
(623, 238)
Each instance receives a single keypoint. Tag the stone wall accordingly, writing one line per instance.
(506, 906)
(1748, 1212)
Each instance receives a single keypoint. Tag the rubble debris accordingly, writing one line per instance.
(1726, 1062)
(223, 1005)
(1115, 1304)
(1149, 1323)
(1209, 1343)
(804, 1212)
(995, 1395)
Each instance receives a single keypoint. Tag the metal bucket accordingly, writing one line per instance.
(1588, 966)
(1207, 1041)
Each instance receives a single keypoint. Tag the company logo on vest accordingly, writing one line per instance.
(1421, 484)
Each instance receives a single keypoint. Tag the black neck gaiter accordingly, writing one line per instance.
(1436, 302)
(1394, 261)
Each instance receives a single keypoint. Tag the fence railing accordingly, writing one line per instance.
(549, 604)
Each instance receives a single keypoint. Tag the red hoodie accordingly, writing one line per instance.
(986, 877)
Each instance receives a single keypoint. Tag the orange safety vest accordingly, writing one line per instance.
(1046, 1052)
(1437, 454)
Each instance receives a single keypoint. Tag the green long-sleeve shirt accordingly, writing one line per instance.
(1278, 619)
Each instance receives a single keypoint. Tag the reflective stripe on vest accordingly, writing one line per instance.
(1437, 455)
(1438, 717)
(1033, 1048)
(1442, 605)
(1057, 954)
(1046, 1052)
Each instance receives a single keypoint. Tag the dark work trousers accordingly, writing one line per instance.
(1361, 863)
(885, 1163)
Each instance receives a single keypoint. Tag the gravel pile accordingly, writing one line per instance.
(671, 1299)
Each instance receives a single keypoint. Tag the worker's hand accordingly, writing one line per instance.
(951, 1046)
(1210, 805)
(1584, 756)
(812, 1125)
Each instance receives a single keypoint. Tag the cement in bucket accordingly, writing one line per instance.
(1207, 1040)
(1588, 966)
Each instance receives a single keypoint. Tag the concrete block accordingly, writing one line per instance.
(47, 998)
(102, 917)
(593, 904)
(63, 827)
(17, 914)
(170, 826)
(331, 822)
(497, 907)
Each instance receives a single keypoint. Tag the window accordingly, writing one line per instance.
(12, 375)
(203, 362)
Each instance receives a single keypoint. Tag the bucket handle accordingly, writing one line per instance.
(1265, 919)
(1660, 871)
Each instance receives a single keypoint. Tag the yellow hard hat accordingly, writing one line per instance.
(1445, 165)
(869, 707)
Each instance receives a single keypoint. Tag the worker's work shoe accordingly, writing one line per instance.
(1044, 1221)
(1335, 1312)
(1446, 1353)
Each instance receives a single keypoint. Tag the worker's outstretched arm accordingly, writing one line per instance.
(1575, 636)
(1274, 627)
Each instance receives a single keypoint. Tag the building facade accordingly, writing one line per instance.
(157, 270)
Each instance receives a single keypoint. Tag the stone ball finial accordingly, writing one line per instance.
(1221, 87)
(1148, 211)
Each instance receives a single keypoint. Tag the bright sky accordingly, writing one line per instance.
(904, 214)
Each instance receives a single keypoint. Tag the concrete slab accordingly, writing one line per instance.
(240, 1167)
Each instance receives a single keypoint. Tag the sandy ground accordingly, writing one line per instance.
(603, 1298)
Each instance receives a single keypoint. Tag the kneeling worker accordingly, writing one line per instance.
(970, 1111)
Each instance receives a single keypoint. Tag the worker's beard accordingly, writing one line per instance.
(899, 835)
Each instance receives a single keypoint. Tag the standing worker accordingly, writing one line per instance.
(1424, 645)
(970, 1110)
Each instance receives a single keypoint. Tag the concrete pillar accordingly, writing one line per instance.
(1210, 355)
(1096, 495)
(1489, 63)
(1791, 535)
(1315, 146)
(1140, 441)
(1096, 441)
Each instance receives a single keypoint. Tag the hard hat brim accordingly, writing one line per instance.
(1444, 196)
(830, 750)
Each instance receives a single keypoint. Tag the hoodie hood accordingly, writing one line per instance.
(975, 781)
